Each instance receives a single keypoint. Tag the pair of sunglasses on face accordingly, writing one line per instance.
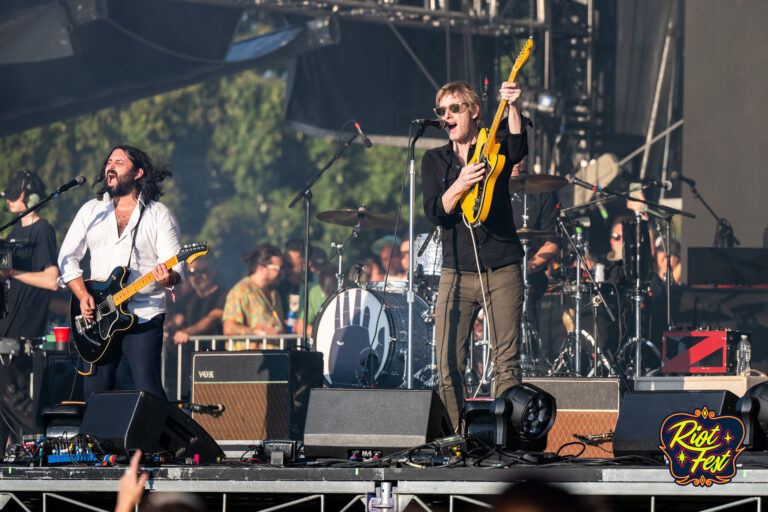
(454, 108)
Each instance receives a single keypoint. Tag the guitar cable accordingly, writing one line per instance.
(486, 316)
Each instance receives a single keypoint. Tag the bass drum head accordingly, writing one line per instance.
(353, 331)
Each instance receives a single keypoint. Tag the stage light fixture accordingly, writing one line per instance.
(753, 410)
(518, 420)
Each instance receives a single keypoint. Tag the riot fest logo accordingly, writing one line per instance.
(702, 448)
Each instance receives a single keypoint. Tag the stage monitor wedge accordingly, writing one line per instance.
(642, 413)
(126, 421)
(343, 421)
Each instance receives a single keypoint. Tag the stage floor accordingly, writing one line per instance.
(260, 487)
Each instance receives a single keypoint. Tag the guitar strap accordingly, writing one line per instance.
(133, 236)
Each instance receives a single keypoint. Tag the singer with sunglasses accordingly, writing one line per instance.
(480, 271)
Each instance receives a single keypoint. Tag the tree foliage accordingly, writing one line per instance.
(236, 167)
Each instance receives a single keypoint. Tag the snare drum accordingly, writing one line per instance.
(363, 335)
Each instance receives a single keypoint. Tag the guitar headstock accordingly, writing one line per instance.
(191, 252)
(522, 58)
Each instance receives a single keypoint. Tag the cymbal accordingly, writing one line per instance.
(528, 233)
(349, 217)
(535, 183)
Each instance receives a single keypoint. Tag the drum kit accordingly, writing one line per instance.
(362, 328)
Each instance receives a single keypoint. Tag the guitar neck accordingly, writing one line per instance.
(132, 289)
(519, 62)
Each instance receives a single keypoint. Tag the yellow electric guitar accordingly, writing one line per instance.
(476, 202)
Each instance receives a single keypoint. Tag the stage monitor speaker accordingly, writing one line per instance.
(368, 421)
(126, 421)
(264, 394)
(643, 412)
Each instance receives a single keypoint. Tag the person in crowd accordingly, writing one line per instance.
(126, 225)
(205, 307)
(388, 250)
(493, 246)
(29, 282)
(253, 305)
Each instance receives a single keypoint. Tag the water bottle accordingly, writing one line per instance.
(743, 355)
(290, 321)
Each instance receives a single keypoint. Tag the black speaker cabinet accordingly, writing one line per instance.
(643, 412)
(125, 421)
(264, 394)
(342, 421)
(55, 380)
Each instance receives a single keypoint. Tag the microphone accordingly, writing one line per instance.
(677, 176)
(665, 184)
(71, 184)
(366, 141)
(437, 123)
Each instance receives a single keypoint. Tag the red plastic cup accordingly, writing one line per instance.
(61, 334)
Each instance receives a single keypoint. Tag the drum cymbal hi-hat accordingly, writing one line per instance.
(535, 183)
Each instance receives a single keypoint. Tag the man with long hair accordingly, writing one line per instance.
(125, 225)
(481, 264)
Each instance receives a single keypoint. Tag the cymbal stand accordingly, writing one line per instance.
(339, 248)
(581, 267)
(528, 333)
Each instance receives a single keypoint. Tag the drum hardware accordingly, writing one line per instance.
(361, 217)
(637, 341)
(535, 183)
(531, 359)
(578, 245)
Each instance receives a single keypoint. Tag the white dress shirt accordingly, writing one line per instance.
(94, 229)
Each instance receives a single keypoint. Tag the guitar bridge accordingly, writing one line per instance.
(82, 324)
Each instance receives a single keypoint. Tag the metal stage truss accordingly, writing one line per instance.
(252, 487)
(487, 17)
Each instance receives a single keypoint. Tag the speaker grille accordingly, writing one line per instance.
(251, 410)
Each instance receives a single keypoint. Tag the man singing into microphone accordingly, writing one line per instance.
(446, 175)
(126, 225)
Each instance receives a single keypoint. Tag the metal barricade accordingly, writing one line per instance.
(235, 343)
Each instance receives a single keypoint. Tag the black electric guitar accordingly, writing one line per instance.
(92, 337)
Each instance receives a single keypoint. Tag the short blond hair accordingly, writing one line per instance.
(464, 91)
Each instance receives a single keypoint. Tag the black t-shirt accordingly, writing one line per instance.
(497, 240)
(28, 305)
(197, 308)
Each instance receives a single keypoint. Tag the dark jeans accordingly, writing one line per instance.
(458, 301)
(142, 345)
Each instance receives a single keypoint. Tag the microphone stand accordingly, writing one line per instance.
(306, 193)
(724, 236)
(411, 252)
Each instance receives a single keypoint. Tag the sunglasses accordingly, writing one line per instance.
(197, 272)
(455, 108)
(616, 236)
(274, 267)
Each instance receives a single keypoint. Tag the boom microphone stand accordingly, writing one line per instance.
(306, 193)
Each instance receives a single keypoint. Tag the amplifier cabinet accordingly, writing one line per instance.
(585, 407)
(264, 393)
(692, 352)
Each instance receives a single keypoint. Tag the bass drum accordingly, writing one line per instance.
(363, 335)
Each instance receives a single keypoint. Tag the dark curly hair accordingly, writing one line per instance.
(261, 255)
(149, 183)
